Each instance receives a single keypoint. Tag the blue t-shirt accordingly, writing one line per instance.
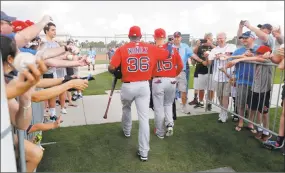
(11, 36)
(244, 71)
(185, 53)
(32, 51)
(92, 54)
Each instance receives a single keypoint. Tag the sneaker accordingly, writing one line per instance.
(199, 105)
(265, 138)
(142, 158)
(127, 135)
(169, 131)
(53, 118)
(209, 107)
(74, 97)
(258, 135)
(160, 137)
(272, 144)
(193, 102)
(184, 110)
(63, 111)
(235, 118)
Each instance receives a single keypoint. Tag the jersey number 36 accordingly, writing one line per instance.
(138, 64)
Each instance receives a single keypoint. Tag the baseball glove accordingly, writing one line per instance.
(118, 73)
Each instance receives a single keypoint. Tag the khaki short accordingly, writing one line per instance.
(222, 88)
(182, 82)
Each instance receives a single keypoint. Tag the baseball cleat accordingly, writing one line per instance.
(169, 131)
(143, 159)
(160, 137)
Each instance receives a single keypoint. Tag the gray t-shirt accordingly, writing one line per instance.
(50, 44)
(270, 42)
(262, 77)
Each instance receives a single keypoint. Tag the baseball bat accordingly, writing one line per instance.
(110, 97)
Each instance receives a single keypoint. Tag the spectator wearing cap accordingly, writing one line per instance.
(186, 54)
(244, 76)
(18, 26)
(26, 35)
(263, 33)
(261, 91)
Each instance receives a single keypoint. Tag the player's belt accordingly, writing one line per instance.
(136, 81)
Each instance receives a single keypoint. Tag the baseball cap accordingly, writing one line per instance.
(247, 34)
(265, 26)
(177, 34)
(263, 49)
(159, 33)
(7, 18)
(19, 25)
(29, 23)
(135, 31)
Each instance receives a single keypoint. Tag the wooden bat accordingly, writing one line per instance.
(110, 97)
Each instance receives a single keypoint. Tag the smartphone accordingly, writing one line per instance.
(203, 41)
(242, 22)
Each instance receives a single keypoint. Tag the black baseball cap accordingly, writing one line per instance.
(177, 34)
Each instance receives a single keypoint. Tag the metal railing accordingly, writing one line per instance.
(257, 93)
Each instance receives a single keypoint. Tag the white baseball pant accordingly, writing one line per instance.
(140, 93)
(163, 94)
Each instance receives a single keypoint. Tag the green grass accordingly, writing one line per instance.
(104, 81)
(102, 62)
(199, 143)
(274, 127)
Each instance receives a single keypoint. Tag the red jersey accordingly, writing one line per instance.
(137, 60)
(170, 67)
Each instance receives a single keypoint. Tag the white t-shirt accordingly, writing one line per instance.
(219, 76)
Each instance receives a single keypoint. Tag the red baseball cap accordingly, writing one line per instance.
(135, 31)
(263, 49)
(160, 33)
(29, 23)
(19, 25)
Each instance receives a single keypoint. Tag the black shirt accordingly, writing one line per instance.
(200, 68)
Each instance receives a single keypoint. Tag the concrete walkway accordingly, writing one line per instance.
(91, 109)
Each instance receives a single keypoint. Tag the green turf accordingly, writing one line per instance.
(104, 81)
(199, 143)
(102, 62)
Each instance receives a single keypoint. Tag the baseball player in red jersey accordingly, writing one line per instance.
(164, 85)
(137, 60)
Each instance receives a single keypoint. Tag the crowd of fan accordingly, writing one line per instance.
(221, 68)
(243, 72)
(37, 70)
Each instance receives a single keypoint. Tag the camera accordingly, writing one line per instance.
(202, 41)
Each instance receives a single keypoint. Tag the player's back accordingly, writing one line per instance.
(168, 67)
(138, 60)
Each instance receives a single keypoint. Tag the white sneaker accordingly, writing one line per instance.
(184, 110)
(63, 111)
(169, 131)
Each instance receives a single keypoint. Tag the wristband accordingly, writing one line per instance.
(26, 108)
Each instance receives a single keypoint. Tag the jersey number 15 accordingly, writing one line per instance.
(164, 66)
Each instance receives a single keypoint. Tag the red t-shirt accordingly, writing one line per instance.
(170, 67)
(137, 60)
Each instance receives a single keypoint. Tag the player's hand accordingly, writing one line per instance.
(83, 61)
(79, 84)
